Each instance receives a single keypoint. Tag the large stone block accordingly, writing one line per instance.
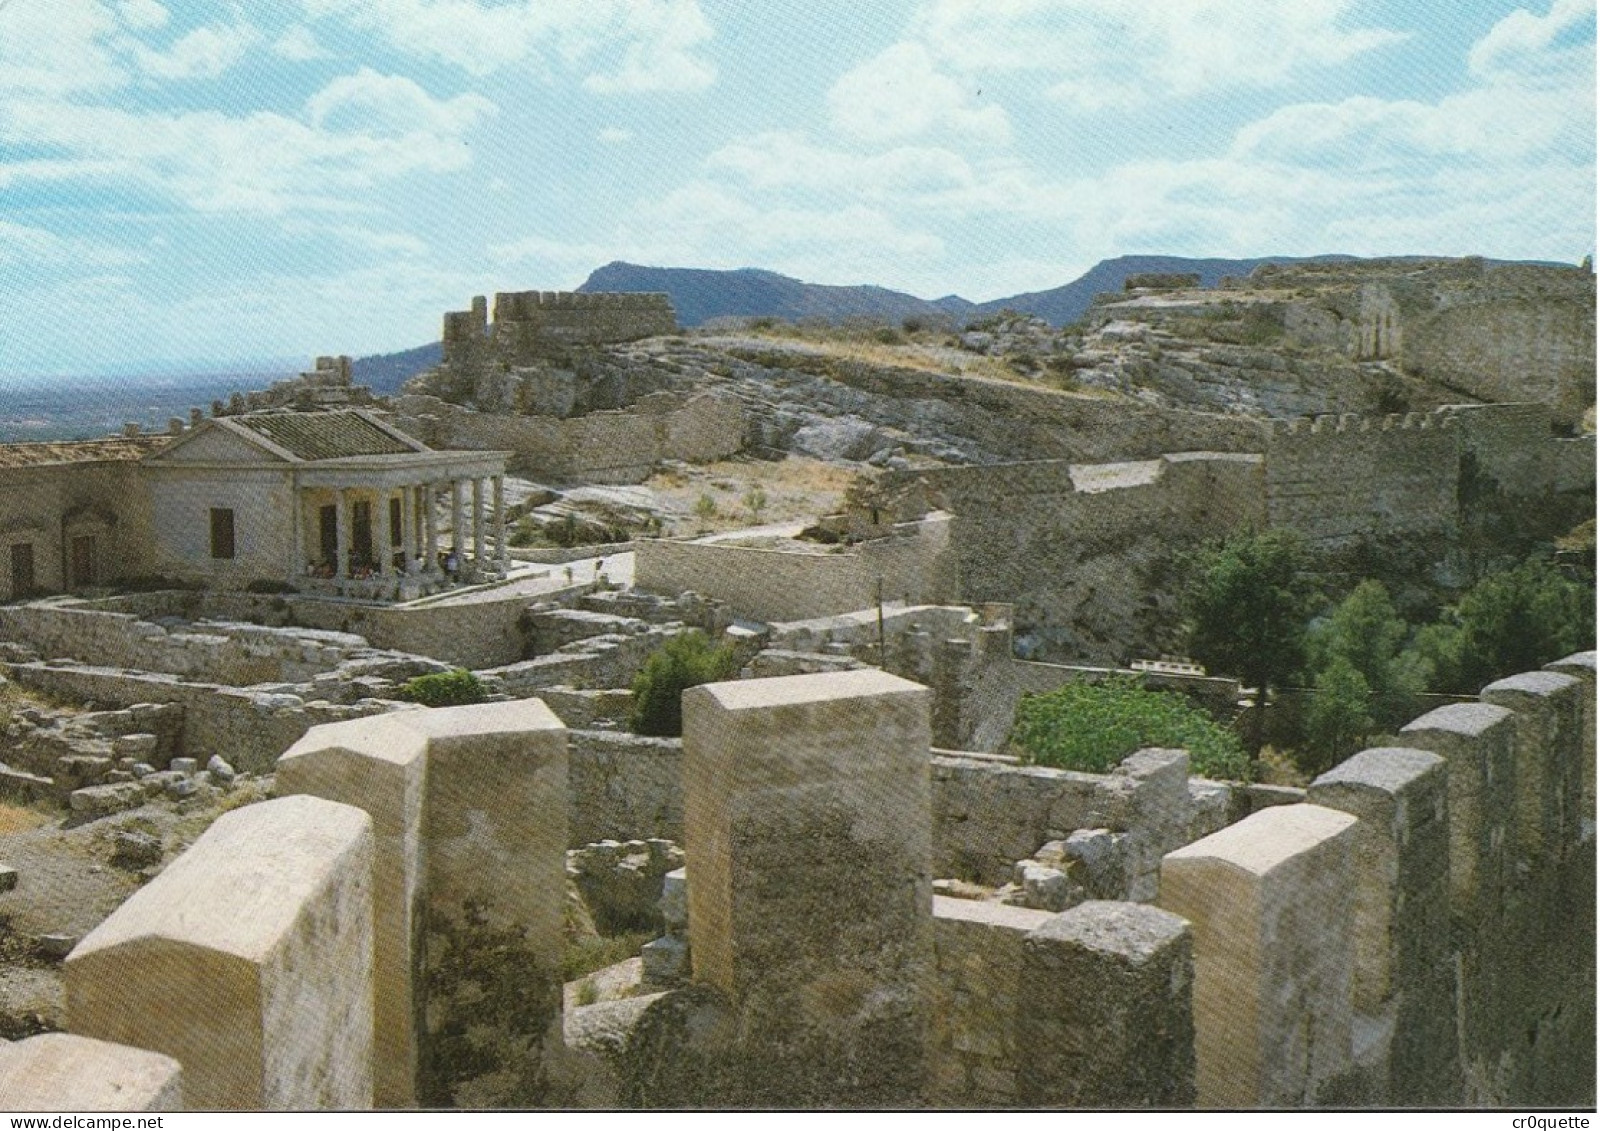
(1580, 665)
(62, 1072)
(470, 804)
(378, 765)
(1107, 1018)
(1269, 900)
(1404, 987)
(808, 837)
(1478, 743)
(1549, 761)
(249, 961)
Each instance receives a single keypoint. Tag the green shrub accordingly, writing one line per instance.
(685, 661)
(1093, 726)
(443, 689)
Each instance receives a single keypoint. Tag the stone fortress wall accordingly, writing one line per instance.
(530, 325)
(609, 446)
(1077, 548)
(1417, 930)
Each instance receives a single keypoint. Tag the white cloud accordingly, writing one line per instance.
(1101, 52)
(298, 45)
(205, 52)
(1523, 41)
(21, 245)
(900, 94)
(359, 129)
(654, 43)
(390, 106)
(57, 49)
(658, 41)
(142, 14)
(615, 135)
(386, 244)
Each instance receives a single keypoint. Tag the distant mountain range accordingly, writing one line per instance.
(700, 296)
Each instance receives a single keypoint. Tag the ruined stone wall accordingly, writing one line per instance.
(1336, 479)
(1512, 349)
(773, 585)
(618, 446)
(1079, 551)
(532, 324)
(248, 728)
(216, 652)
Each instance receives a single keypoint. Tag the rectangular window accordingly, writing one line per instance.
(222, 532)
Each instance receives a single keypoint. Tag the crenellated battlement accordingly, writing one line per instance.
(1328, 424)
(529, 325)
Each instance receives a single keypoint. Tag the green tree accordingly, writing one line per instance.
(1093, 726)
(687, 660)
(1339, 718)
(1365, 633)
(1247, 608)
(756, 500)
(1509, 622)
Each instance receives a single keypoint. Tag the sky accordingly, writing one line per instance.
(204, 183)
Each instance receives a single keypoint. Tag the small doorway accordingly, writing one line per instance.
(22, 579)
(82, 562)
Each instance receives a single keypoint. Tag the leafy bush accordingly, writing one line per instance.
(443, 689)
(1091, 727)
(685, 661)
(269, 585)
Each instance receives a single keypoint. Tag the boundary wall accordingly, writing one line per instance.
(606, 446)
(1417, 931)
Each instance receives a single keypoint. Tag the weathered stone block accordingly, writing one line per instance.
(1269, 900)
(808, 827)
(469, 808)
(1403, 975)
(1581, 666)
(64, 1072)
(1107, 1018)
(249, 961)
(1478, 743)
(1549, 760)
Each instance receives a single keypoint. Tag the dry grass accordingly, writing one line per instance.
(20, 818)
(796, 489)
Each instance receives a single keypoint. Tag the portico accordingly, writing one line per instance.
(338, 502)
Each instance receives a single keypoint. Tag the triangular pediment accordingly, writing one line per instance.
(213, 443)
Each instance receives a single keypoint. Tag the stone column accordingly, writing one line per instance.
(248, 960)
(469, 811)
(1269, 900)
(408, 527)
(1404, 977)
(61, 1072)
(808, 844)
(430, 525)
(341, 539)
(477, 522)
(457, 523)
(385, 546)
(502, 548)
(297, 567)
(1107, 1017)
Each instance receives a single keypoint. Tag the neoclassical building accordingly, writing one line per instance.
(336, 501)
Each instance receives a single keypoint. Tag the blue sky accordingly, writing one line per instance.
(201, 182)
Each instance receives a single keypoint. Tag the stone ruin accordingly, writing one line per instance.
(1416, 930)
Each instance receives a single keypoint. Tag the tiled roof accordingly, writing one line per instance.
(39, 454)
(323, 435)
